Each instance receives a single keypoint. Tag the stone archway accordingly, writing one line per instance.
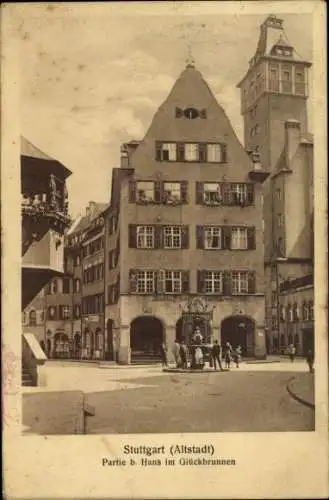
(146, 337)
(239, 330)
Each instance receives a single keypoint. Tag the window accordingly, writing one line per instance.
(51, 313)
(66, 285)
(213, 237)
(167, 151)
(32, 318)
(300, 83)
(280, 220)
(274, 323)
(282, 313)
(77, 261)
(77, 285)
(295, 312)
(212, 193)
(145, 281)
(239, 238)
(172, 237)
(191, 152)
(213, 282)
(239, 282)
(238, 193)
(145, 191)
(64, 312)
(214, 153)
(145, 236)
(77, 311)
(172, 282)
(191, 113)
(42, 316)
(171, 192)
(311, 310)
(274, 298)
(306, 315)
(278, 193)
(290, 313)
(53, 287)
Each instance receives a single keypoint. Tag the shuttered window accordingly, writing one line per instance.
(213, 281)
(239, 238)
(212, 237)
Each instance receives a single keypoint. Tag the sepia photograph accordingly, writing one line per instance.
(167, 229)
(174, 277)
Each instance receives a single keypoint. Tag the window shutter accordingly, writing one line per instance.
(132, 281)
(251, 236)
(185, 236)
(158, 149)
(180, 151)
(157, 192)
(227, 289)
(202, 152)
(157, 236)
(226, 231)
(225, 188)
(178, 113)
(199, 193)
(200, 237)
(224, 153)
(132, 191)
(250, 194)
(132, 238)
(185, 277)
(251, 282)
(201, 281)
(183, 191)
(160, 281)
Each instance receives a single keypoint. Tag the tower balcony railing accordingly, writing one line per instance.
(38, 206)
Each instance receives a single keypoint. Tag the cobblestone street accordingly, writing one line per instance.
(145, 400)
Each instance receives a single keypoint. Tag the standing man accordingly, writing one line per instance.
(310, 360)
(216, 355)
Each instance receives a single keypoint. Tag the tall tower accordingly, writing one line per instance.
(274, 90)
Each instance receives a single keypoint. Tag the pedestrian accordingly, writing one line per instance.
(215, 354)
(292, 352)
(228, 355)
(237, 358)
(310, 360)
(175, 351)
(183, 355)
(163, 352)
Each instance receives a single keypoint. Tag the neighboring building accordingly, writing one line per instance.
(66, 332)
(45, 217)
(274, 96)
(93, 288)
(297, 314)
(185, 235)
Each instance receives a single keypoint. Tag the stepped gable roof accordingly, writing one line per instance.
(192, 91)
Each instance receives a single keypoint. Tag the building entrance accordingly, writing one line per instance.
(239, 330)
(146, 337)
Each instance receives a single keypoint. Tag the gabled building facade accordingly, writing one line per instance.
(274, 94)
(187, 236)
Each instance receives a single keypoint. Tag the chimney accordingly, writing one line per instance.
(92, 208)
(292, 138)
(124, 158)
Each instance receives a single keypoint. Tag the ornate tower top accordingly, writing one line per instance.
(190, 62)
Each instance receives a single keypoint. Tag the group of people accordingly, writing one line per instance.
(217, 355)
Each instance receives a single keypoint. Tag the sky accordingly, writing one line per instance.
(92, 76)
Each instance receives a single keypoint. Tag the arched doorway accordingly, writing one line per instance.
(146, 337)
(239, 330)
(109, 353)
